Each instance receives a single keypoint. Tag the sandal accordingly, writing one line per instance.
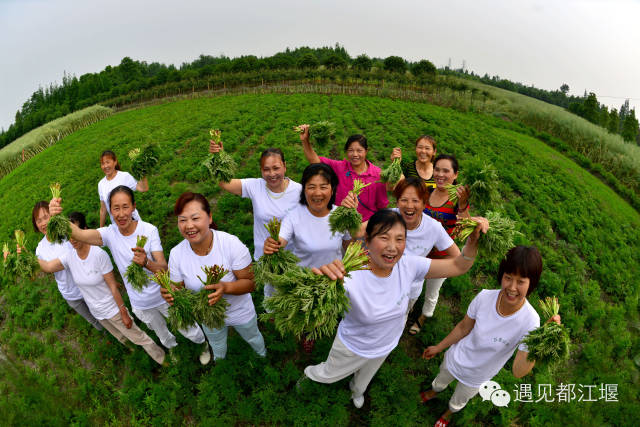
(442, 422)
(416, 327)
(425, 398)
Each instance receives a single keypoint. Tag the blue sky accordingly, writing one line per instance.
(589, 44)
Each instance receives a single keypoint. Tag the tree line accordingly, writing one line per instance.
(57, 100)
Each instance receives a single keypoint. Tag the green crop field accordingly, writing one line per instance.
(60, 371)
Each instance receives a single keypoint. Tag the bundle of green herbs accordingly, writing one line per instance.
(496, 242)
(220, 166)
(58, 227)
(344, 219)
(212, 316)
(311, 305)
(143, 160)
(452, 189)
(483, 181)
(26, 264)
(320, 131)
(392, 173)
(135, 274)
(8, 261)
(276, 263)
(181, 312)
(550, 342)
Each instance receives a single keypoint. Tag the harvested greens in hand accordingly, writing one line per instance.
(309, 304)
(452, 189)
(58, 227)
(321, 131)
(220, 166)
(26, 264)
(212, 316)
(496, 242)
(135, 274)
(344, 219)
(276, 263)
(181, 312)
(550, 342)
(143, 160)
(392, 173)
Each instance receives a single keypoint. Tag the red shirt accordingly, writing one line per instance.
(372, 198)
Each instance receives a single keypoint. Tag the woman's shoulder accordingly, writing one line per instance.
(179, 248)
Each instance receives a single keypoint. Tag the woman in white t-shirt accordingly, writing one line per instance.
(380, 299)
(47, 251)
(114, 177)
(273, 195)
(92, 271)
(307, 225)
(204, 246)
(120, 237)
(423, 235)
(496, 322)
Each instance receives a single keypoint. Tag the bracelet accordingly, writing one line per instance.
(122, 306)
(464, 209)
(466, 257)
(146, 261)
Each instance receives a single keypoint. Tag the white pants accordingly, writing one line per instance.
(154, 319)
(431, 293)
(341, 363)
(461, 395)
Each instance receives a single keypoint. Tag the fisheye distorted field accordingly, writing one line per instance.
(61, 371)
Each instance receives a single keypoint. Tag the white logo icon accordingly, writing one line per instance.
(488, 387)
(500, 398)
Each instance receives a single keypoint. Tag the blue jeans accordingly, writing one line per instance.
(249, 332)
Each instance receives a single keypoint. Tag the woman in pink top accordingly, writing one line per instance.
(356, 166)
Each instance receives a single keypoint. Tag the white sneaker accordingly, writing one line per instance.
(205, 356)
(358, 401)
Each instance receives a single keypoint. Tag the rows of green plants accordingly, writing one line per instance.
(60, 371)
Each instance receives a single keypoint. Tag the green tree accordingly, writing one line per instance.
(630, 126)
(423, 68)
(614, 121)
(308, 60)
(564, 89)
(590, 108)
(334, 61)
(362, 62)
(395, 64)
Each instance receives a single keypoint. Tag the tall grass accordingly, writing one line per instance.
(46, 135)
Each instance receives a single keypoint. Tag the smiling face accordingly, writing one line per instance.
(514, 290)
(108, 166)
(425, 151)
(42, 219)
(411, 206)
(122, 209)
(273, 172)
(443, 173)
(317, 192)
(356, 154)
(386, 248)
(193, 223)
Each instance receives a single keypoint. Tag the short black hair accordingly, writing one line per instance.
(356, 138)
(382, 221)
(324, 171)
(525, 261)
(78, 219)
(122, 189)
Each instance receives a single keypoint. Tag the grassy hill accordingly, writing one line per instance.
(62, 372)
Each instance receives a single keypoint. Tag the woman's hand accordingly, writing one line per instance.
(350, 201)
(271, 246)
(166, 295)
(126, 319)
(555, 318)
(55, 206)
(482, 227)
(218, 289)
(463, 196)
(396, 153)
(139, 256)
(215, 147)
(304, 135)
(430, 352)
(334, 270)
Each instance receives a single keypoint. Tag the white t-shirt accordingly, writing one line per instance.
(429, 234)
(48, 251)
(89, 276)
(105, 186)
(313, 242)
(120, 247)
(477, 357)
(266, 206)
(373, 325)
(227, 252)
